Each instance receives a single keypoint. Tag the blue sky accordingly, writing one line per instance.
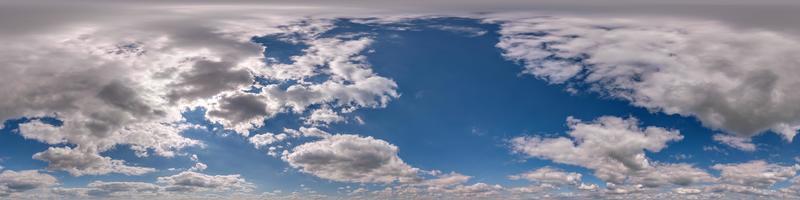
(476, 98)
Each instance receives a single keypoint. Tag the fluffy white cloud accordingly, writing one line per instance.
(352, 158)
(198, 166)
(14, 182)
(739, 81)
(550, 175)
(741, 143)
(446, 180)
(758, 173)
(348, 83)
(189, 181)
(39, 131)
(265, 139)
(79, 163)
(665, 174)
(323, 116)
(613, 147)
(127, 83)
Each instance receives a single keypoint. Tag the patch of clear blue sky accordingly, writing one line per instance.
(461, 102)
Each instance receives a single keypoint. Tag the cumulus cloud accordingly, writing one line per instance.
(613, 147)
(265, 139)
(268, 140)
(596, 145)
(79, 163)
(758, 173)
(666, 174)
(189, 181)
(127, 83)
(198, 166)
(14, 182)
(39, 131)
(550, 175)
(347, 82)
(352, 158)
(323, 116)
(739, 81)
(446, 180)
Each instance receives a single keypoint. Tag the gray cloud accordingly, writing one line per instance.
(550, 175)
(193, 181)
(79, 163)
(14, 182)
(352, 158)
(110, 69)
(134, 189)
(208, 78)
(757, 173)
(739, 81)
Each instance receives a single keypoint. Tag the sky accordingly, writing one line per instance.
(610, 99)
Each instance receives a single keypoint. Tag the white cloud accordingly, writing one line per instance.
(758, 173)
(265, 139)
(79, 163)
(741, 143)
(550, 175)
(613, 147)
(309, 132)
(666, 174)
(446, 180)
(323, 116)
(348, 83)
(127, 83)
(41, 132)
(352, 158)
(591, 187)
(189, 181)
(692, 68)
(14, 182)
(687, 190)
(198, 166)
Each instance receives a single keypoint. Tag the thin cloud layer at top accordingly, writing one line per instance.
(739, 81)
